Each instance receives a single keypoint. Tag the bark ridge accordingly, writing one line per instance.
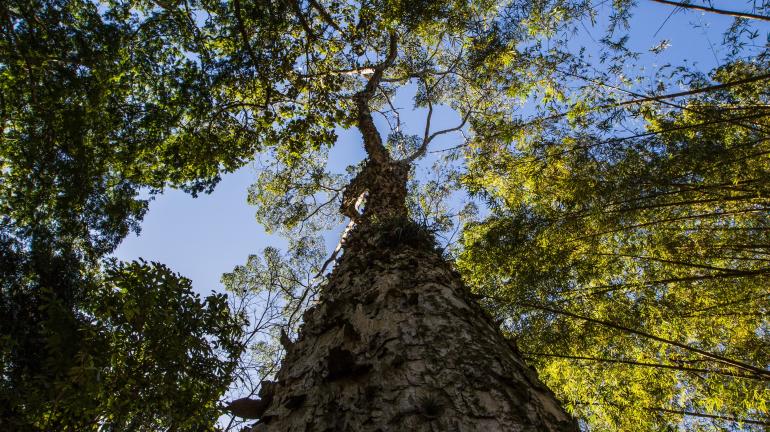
(397, 344)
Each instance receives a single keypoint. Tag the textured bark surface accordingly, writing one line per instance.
(397, 344)
(385, 187)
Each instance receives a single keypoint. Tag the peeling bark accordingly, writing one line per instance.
(396, 343)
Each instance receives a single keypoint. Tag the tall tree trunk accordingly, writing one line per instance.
(396, 343)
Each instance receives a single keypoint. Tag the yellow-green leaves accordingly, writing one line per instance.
(664, 233)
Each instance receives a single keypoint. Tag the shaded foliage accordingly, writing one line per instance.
(142, 352)
(100, 109)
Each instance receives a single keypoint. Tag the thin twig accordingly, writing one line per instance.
(715, 10)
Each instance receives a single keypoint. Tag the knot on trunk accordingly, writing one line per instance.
(384, 187)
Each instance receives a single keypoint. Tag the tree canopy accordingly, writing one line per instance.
(623, 249)
(99, 111)
(631, 267)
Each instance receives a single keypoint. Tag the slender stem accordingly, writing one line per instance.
(680, 412)
(427, 122)
(655, 98)
(640, 135)
(635, 363)
(715, 87)
(714, 10)
(735, 363)
(428, 138)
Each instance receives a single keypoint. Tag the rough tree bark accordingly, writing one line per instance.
(395, 342)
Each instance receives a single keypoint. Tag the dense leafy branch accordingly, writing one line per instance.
(716, 357)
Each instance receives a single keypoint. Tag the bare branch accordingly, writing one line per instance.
(428, 138)
(318, 208)
(393, 109)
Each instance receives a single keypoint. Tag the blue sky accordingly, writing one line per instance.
(203, 237)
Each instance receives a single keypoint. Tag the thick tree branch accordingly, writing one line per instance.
(372, 141)
(714, 10)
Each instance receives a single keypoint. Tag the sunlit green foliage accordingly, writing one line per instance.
(104, 104)
(478, 58)
(664, 232)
